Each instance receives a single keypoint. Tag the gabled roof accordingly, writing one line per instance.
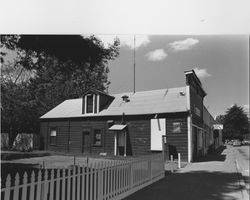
(145, 102)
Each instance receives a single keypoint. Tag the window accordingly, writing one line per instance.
(97, 137)
(176, 127)
(90, 99)
(52, 136)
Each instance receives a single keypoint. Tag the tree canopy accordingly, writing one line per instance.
(47, 70)
(235, 123)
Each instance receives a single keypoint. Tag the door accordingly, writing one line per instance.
(121, 143)
(195, 146)
(86, 146)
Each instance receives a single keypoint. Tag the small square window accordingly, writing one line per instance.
(176, 127)
(97, 137)
(52, 136)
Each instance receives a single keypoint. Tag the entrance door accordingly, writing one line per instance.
(86, 146)
(195, 146)
(121, 143)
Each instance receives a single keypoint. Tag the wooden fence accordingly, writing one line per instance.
(101, 180)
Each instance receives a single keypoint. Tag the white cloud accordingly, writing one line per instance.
(156, 55)
(202, 73)
(140, 41)
(183, 45)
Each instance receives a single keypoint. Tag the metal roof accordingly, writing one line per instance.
(117, 127)
(144, 102)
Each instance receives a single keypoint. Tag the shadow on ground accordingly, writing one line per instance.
(215, 156)
(191, 186)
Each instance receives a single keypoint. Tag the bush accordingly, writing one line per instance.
(4, 141)
(23, 142)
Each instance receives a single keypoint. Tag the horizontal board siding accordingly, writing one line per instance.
(139, 134)
(177, 142)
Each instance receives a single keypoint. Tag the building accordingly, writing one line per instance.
(131, 123)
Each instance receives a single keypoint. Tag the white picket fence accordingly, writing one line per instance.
(102, 180)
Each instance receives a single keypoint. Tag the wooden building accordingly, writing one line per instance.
(129, 123)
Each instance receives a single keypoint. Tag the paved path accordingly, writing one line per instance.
(215, 177)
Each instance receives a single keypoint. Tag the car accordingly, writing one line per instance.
(236, 143)
(245, 142)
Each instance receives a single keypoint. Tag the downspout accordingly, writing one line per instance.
(189, 124)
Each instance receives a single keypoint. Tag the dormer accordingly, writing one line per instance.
(94, 101)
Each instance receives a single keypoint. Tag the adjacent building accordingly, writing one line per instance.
(132, 123)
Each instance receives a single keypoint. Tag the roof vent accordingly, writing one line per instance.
(125, 98)
(182, 93)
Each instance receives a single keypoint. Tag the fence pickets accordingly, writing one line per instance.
(102, 180)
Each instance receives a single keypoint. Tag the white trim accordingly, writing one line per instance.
(188, 97)
(189, 122)
(94, 96)
(115, 144)
(125, 147)
(98, 103)
(85, 104)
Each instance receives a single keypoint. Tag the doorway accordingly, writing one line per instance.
(86, 141)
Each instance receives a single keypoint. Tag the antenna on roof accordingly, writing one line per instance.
(134, 65)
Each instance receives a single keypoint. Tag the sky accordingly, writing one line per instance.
(220, 62)
(211, 36)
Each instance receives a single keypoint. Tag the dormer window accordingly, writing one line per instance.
(94, 101)
(90, 103)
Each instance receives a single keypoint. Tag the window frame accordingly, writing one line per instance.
(95, 103)
(94, 137)
(55, 142)
(176, 129)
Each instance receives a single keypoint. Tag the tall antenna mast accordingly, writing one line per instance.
(134, 65)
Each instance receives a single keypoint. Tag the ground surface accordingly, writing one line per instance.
(215, 177)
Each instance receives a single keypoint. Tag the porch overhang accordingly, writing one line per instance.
(118, 127)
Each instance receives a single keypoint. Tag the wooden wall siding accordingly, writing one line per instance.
(139, 135)
(43, 133)
(178, 142)
(138, 129)
(196, 100)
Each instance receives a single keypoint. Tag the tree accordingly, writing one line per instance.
(235, 123)
(49, 69)
(220, 119)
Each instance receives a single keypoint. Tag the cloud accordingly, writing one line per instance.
(183, 45)
(202, 73)
(156, 55)
(125, 40)
(140, 41)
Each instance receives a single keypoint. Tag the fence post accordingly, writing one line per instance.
(131, 174)
(7, 184)
(179, 160)
(39, 186)
(32, 185)
(16, 188)
(24, 191)
(172, 164)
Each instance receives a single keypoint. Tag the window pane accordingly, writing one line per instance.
(97, 137)
(90, 104)
(176, 127)
(53, 132)
(52, 138)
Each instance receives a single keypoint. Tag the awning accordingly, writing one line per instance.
(118, 127)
